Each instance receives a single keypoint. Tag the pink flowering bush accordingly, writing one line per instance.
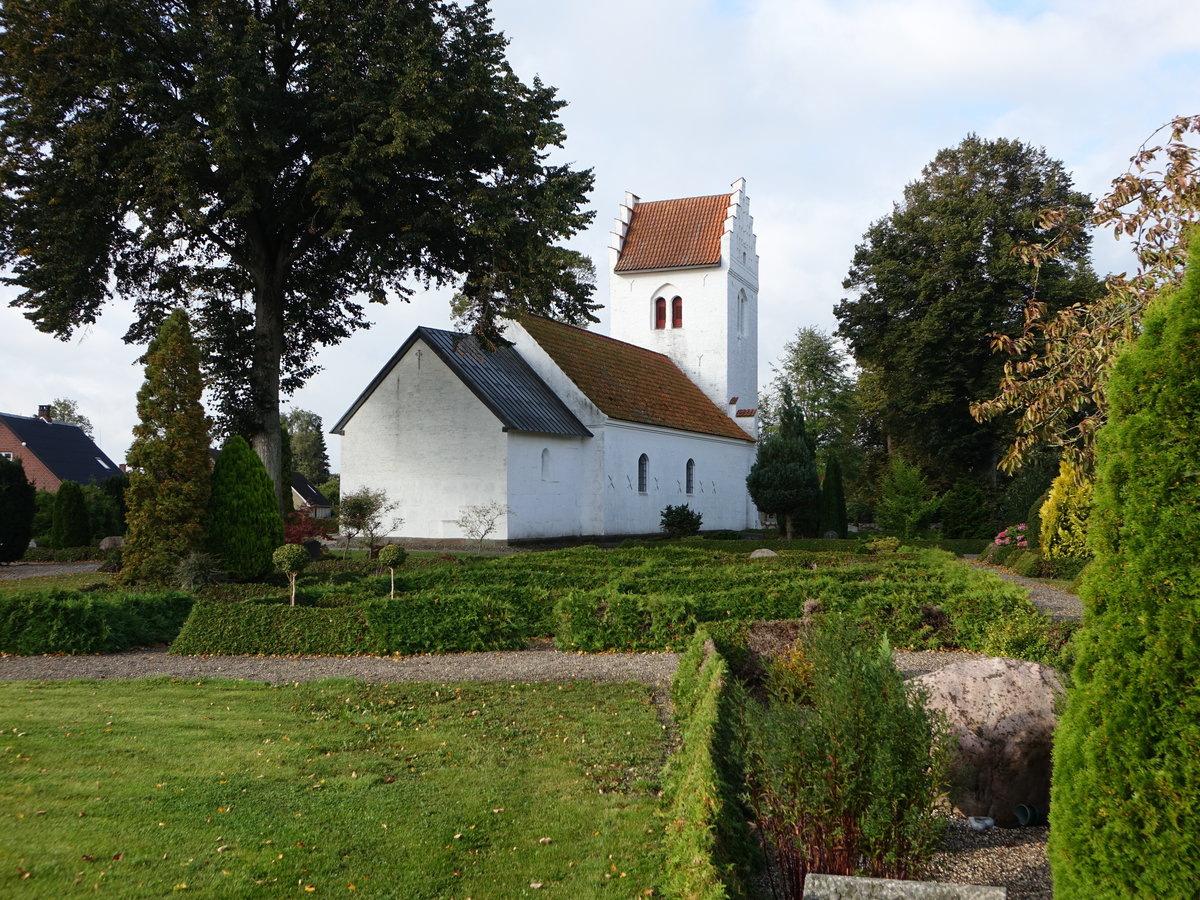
(1013, 535)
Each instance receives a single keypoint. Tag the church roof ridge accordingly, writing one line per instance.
(630, 383)
(674, 234)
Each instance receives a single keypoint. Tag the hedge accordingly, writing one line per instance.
(706, 831)
(65, 621)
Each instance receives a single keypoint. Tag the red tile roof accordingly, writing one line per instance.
(630, 383)
(674, 234)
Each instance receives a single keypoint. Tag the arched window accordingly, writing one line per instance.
(545, 464)
(691, 476)
(660, 313)
(677, 312)
(643, 472)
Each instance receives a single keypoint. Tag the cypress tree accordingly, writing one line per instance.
(18, 500)
(70, 526)
(783, 479)
(833, 500)
(244, 525)
(1126, 788)
(169, 459)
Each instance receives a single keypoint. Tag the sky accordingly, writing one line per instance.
(827, 108)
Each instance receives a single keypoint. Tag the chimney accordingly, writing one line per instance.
(44, 412)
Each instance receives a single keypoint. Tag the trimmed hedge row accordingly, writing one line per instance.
(705, 836)
(465, 622)
(65, 621)
(611, 620)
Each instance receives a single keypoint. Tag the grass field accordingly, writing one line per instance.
(224, 789)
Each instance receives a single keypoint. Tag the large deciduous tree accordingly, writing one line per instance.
(1127, 750)
(936, 278)
(815, 369)
(271, 164)
(66, 410)
(169, 460)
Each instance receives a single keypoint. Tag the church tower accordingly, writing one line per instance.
(684, 282)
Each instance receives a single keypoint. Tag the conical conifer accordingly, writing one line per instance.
(169, 460)
(244, 525)
(1126, 790)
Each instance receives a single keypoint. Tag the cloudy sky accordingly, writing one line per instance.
(827, 108)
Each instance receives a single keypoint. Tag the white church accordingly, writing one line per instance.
(579, 434)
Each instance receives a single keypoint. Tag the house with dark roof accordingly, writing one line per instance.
(308, 499)
(53, 452)
(577, 433)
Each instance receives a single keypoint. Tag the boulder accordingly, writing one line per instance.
(113, 542)
(1002, 715)
(762, 553)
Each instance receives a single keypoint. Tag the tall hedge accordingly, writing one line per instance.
(70, 526)
(169, 459)
(244, 525)
(1125, 803)
(18, 501)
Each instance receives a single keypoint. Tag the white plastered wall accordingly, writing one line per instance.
(430, 443)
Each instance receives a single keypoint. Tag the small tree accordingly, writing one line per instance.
(966, 512)
(393, 556)
(477, 522)
(244, 525)
(1126, 763)
(364, 512)
(70, 526)
(168, 491)
(18, 501)
(291, 560)
(1063, 517)
(783, 480)
(907, 504)
(833, 501)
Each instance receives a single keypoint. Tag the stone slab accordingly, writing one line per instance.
(846, 887)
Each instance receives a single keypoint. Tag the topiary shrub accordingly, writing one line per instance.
(392, 556)
(1126, 788)
(70, 526)
(680, 521)
(244, 525)
(291, 559)
(1064, 515)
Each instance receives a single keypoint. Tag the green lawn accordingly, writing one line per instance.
(223, 789)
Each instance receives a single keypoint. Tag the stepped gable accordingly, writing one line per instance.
(674, 234)
(630, 383)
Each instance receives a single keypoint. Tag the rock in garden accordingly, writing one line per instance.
(1002, 714)
(762, 553)
(115, 542)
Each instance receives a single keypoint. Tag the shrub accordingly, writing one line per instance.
(291, 559)
(593, 621)
(1126, 786)
(272, 629)
(367, 511)
(197, 570)
(244, 526)
(64, 621)
(845, 766)
(679, 521)
(18, 500)
(1064, 516)
(966, 512)
(299, 527)
(479, 521)
(103, 513)
(70, 526)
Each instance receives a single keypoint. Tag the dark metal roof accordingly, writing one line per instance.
(63, 449)
(500, 378)
(307, 492)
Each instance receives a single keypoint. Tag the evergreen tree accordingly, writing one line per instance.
(70, 526)
(309, 456)
(783, 480)
(169, 459)
(244, 525)
(1126, 788)
(906, 503)
(833, 501)
(18, 502)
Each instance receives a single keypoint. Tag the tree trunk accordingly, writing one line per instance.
(787, 524)
(265, 377)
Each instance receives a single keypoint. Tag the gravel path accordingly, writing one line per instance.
(1058, 605)
(28, 570)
